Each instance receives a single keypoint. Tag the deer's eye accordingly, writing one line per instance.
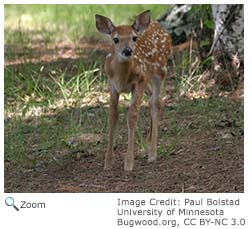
(116, 40)
(134, 38)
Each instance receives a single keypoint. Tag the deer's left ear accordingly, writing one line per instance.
(142, 21)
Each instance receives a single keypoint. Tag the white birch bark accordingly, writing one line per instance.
(229, 30)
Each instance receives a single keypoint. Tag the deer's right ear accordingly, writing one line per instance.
(104, 24)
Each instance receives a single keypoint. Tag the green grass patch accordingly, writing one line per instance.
(44, 86)
(51, 23)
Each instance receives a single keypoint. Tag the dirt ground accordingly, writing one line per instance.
(186, 170)
(198, 162)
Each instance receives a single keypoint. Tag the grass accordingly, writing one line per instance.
(51, 103)
(38, 86)
(24, 24)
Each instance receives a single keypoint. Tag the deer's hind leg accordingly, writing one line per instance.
(155, 109)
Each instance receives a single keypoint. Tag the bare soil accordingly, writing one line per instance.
(196, 165)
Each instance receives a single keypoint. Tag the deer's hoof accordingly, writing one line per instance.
(108, 164)
(152, 158)
(128, 165)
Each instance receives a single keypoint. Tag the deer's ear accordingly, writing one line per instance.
(142, 21)
(104, 24)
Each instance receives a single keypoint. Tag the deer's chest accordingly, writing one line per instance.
(122, 77)
(121, 84)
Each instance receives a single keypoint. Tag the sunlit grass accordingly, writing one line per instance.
(50, 23)
(50, 86)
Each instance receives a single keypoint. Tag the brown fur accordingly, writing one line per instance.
(132, 72)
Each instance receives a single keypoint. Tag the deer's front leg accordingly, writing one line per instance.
(113, 117)
(136, 100)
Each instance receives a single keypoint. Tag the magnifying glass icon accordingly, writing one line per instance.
(9, 201)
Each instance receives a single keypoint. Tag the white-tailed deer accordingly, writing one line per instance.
(137, 61)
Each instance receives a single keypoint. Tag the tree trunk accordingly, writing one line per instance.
(178, 23)
(229, 31)
(218, 31)
(181, 22)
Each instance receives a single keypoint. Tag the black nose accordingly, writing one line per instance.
(127, 51)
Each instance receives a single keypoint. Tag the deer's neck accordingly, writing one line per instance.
(123, 70)
(121, 75)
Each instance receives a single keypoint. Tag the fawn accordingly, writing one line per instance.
(137, 62)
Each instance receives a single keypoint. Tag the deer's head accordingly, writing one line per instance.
(124, 37)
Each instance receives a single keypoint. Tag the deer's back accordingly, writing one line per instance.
(153, 47)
